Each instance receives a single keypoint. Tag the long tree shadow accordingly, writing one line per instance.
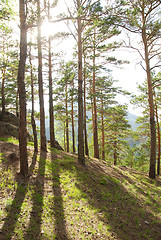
(58, 210)
(126, 216)
(14, 210)
(34, 229)
(148, 185)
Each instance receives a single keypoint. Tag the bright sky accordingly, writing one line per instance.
(128, 75)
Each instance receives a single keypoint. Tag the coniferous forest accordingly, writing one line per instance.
(74, 163)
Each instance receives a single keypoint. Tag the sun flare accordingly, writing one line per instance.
(47, 29)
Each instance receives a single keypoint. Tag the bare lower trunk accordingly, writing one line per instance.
(115, 152)
(2, 92)
(96, 146)
(51, 108)
(85, 125)
(67, 124)
(152, 166)
(81, 157)
(22, 92)
(32, 98)
(40, 82)
(158, 134)
(3, 80)
(72, 116)
(103, 134)
(17, 106)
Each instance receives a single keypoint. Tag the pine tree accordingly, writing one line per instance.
(22, 93)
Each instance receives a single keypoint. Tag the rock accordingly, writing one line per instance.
(12, 157)
(9, 126)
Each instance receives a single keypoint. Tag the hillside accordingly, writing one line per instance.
(65, 201)
(9, 126)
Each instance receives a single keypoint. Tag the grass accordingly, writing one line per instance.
(65, 201)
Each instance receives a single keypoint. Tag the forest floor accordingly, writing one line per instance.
(65, 201)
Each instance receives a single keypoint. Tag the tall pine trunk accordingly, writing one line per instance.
(72, 116)
(81, 157)
(3, 80)
(115, 152)
(152, 170)
(40, 82)
(103, 131)
(158, 135)
(32, 99)
(51, 108)
(95, 137)
(2, 92)
(17, 105)
(22, 92)
(85, 113)
(66, 120)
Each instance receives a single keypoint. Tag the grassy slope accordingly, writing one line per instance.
(63, 200)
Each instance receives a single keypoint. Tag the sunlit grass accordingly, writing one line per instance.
(84, 203)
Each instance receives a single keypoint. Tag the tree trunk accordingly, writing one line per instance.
(67, 124)
(96, 146)
(40, 82)
(3, 81)
(32, 98)
(2, 92)
(85, 115)
(22, 92)
(51, 108)
(64, 136)
(152, 170)
(92, 111)
(72, 116)
(17, 105)
(81, 157)
(103, 132)
(158, 131)
(158, 134)
(115, 152)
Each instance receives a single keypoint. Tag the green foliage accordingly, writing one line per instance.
(6, 10)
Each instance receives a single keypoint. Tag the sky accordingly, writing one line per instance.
(129, 75)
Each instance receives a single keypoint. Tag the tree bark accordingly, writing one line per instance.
(152, 166)
(3, 81)
(17, 105)
(2, 92)
(85, 114)
(40, 82)
(51, 108)
(103, 132)
(158, 134)
(81, 157)
(22, 92)
(72, 116)
(66, 120)
(96, 146)
(32, 98)
(115, 152)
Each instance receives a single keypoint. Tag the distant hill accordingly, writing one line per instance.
(132, 120)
